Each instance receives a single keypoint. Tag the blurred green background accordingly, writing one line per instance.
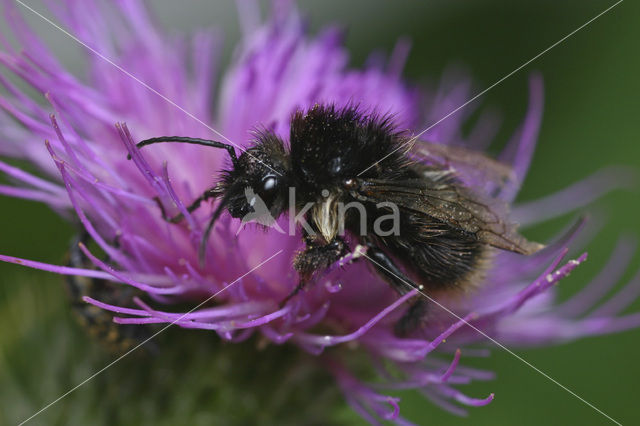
(590, 121)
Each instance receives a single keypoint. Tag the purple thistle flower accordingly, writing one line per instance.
(277, 69)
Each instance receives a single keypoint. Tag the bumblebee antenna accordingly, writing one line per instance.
(195, 141)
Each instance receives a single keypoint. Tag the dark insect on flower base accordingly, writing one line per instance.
(341, 157)
(117, 338)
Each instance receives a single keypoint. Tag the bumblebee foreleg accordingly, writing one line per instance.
(316, 258)
(208, 194)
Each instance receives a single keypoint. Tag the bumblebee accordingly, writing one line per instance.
(447, 228)
(117, 338)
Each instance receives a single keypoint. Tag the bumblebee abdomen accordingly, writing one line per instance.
(439, 256)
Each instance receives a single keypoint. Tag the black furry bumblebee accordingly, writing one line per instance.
(447, 230)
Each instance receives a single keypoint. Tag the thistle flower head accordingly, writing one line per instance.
(162, 85)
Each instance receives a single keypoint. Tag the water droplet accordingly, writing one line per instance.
(333, 287)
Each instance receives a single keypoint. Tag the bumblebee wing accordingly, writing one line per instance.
(437, 197)
(473, 168)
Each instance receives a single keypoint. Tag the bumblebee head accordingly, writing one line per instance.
(259, 180)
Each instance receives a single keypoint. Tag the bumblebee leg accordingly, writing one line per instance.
(386, 267)
(315, 258)
(301, 285)
(413, 318)
(209, 193)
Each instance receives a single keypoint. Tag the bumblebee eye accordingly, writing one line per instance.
(269, 184)
(268, 189)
